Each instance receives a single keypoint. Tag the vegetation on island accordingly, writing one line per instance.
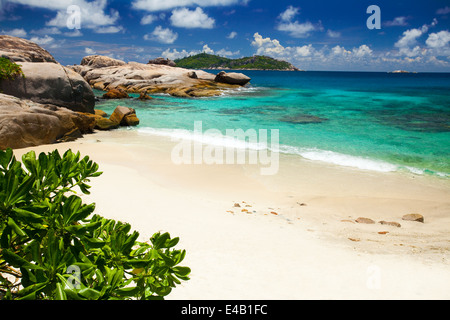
(209, 61)
(9, 69)
(52, 246)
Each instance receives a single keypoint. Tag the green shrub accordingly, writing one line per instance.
(52, 247)
(9, 70)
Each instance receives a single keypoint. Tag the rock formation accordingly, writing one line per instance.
(24, 123)
(134, 77)
(166, 62)
(51, 103)
(45, 81)
(97, 61)
(21, 50)
(232, 78)
(51, 83)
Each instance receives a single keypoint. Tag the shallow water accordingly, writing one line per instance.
(371, 121)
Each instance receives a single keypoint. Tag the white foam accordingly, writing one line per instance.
(216, 140)
(313, 154)
(340, 159)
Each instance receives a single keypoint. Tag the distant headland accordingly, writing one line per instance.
(214, 62)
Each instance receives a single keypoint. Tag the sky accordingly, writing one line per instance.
(325, 35)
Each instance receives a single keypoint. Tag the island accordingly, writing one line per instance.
(402, 71)
(214, 62)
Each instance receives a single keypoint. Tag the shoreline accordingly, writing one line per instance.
(297, 239)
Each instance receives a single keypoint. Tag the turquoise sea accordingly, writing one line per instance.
(372, 121)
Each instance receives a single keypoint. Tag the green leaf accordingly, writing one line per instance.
(17, 261)
(32, 289)
(60, 293)
(89, 293)
(182, 271)
(28, 215)
(127, 292)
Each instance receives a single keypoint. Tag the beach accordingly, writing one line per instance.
(289, 236)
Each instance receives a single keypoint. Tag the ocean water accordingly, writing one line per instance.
(371, 121)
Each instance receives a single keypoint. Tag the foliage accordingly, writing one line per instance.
(8, 69)
(53, 247)
(209, 61)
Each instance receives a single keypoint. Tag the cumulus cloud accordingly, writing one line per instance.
(163, 35)
(92, 13)
(148, 19)
(295, 28)
(407, 44)
(185, 18)
(308, 55)
(89, 51)
(161, 5)
(46, 41)
(174, 54)
(438, 40)
(362, 51)
(20, 33)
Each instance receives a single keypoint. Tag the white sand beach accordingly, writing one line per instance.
(295, 239)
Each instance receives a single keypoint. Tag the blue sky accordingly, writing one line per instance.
(313, 35)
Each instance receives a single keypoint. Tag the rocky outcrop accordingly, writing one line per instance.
(21, 50)
(162, 61)
(51, 83)
(115, 94)
(97, 61)
(50, 103)
(232, 78)
(24, 123)
(124, 116)
(136, 77)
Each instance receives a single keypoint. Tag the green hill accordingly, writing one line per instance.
(209, 61)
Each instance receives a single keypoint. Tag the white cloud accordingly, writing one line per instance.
(46, 40)
(362, 51)
(109, 29)
(340, 51)
(308, 56)
(44, 31)
(92, 12)
(89, 51)
(396, 22)
(148, 19)
(445, 10)
(74, 33)
(409, 38)
(207, 49)
(289, 13)
(333, 34)
(267, 46)
(438, 40)
(161, 5)
(163, 35)
(174, 54)
(295, 28)
(190, 19)
(20, 33)
(232, 35)
(227, 53)
(407, 44)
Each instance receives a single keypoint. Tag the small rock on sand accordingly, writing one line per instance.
(391, 223)
(413, 217)
(365, 220)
